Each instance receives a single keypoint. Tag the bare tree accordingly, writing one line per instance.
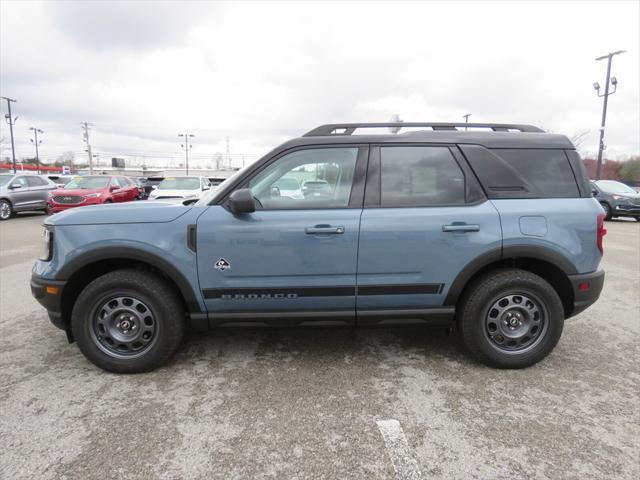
(578, 138)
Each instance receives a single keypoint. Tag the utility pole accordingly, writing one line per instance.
(85, 136)
(228, 153)
(36, 142)
(186, 147)
(11, 121)
(466, 120)
(613, 81)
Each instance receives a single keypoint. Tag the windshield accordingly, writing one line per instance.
(287, 184)
(4, 179)
(87, 183)
(611, 186)
(179, 183)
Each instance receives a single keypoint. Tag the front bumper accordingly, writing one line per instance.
(49, 294)
(626, 210)
(55, 207)
(586, 290)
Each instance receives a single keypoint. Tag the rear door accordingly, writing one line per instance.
(295, 257)
(425, 218)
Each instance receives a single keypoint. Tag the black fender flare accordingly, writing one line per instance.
(512, 251)
(130, 253)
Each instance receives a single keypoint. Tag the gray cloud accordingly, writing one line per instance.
(263, 72)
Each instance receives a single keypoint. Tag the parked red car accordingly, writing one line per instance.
(92, 190)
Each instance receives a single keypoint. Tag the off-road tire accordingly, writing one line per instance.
(478, 299)
(147, 288)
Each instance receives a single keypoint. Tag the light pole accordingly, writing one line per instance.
(36, 142)
(11, 121)
(613, 81)
(186, 147)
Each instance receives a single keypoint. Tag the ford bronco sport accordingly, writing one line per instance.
(488, 227)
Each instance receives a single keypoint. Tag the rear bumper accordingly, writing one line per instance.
(51, 301)
(586, 289)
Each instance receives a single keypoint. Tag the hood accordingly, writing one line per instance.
(129, 212)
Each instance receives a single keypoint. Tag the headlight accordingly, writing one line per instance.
(93, 195)
(47, 245)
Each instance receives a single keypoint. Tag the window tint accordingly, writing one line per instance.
(420, 176)
(35, 181)
(20, 181)
(115, 183)
(547, 171)
(323, 177)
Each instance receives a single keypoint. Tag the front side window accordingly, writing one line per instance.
(312, 178)
(22, 181)
(420, 176)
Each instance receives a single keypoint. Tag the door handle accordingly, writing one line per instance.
(324, 230)
(460, 227)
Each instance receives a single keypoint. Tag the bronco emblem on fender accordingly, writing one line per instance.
(222, 265)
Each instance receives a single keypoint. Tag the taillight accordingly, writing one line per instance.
(601, 232)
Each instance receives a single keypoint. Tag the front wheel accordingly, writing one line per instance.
(510, 318)
(128, 321)
(6, 210)
(607, 210)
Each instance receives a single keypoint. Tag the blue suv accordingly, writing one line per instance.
(491, 228)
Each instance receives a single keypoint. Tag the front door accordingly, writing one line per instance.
(293, 259)
(425, 218)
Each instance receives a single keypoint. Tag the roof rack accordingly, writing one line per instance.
(349, 128)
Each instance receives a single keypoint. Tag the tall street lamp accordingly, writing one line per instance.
(36, 142)
(613, 81)
(186, 147)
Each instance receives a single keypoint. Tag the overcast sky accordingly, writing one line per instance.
(260, 73)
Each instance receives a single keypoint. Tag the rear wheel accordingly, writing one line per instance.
(128, 321)
(510, 318)
(6, 209)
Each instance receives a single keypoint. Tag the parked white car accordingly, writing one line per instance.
(180, 187)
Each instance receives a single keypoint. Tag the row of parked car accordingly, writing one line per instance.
(55, 193)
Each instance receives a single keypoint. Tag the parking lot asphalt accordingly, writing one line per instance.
(322, 403)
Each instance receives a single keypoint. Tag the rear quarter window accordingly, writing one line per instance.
(523, 173)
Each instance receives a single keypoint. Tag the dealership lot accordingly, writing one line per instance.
(322, 403)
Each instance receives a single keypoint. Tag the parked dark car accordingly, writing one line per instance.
(150, 183)
(617, 199)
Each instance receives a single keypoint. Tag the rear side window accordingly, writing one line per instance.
(547, 170)
(36, 181)
(420, 176)
(522, 173)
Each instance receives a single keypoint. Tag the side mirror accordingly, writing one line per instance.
(275, 192)
(113, 188)
(241, 201)
(154, 187)
(594, 192)
(13, 186)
